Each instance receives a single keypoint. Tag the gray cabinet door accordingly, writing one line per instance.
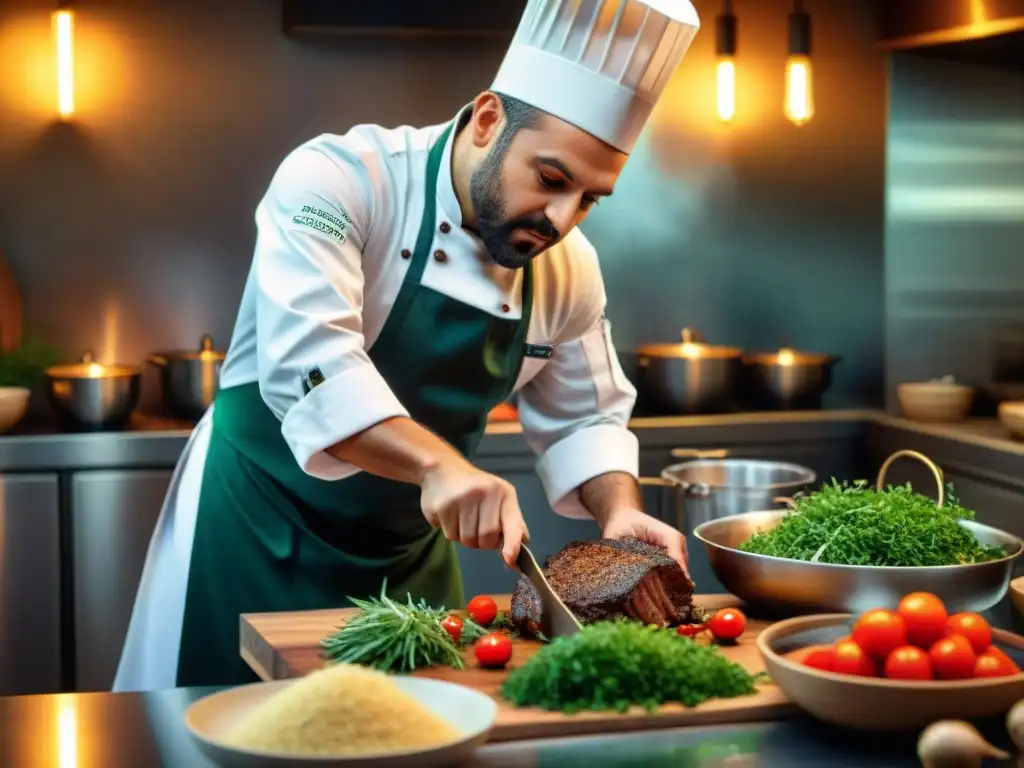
(30, 625)
(113, 516)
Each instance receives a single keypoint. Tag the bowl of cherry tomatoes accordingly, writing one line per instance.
(895, 670)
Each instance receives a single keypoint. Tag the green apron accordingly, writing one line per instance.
(269, 537)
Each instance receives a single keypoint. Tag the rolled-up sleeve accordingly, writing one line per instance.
(575, 415)
(308, 279)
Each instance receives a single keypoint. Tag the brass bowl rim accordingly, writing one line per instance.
(79, 371)
(674, 351)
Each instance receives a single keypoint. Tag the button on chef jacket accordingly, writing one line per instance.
(330, 257)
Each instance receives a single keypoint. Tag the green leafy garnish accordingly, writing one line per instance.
(612, 665)
(854, 524)
(25, 365)
(398, 637)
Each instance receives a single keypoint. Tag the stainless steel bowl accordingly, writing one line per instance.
(799, 586)
(689, 377)
(787, 380)
(189, 378)
(92, 396)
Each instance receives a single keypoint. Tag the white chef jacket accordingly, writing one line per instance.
(335, 230)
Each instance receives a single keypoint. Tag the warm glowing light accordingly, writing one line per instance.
(67, 732)
(726, 89)
(690, 349)
(786, 357)
(63, 26)
(799, 90)
(94, 371)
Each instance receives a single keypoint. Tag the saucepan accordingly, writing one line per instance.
(189, 378)
(92, 396)
(689, 377)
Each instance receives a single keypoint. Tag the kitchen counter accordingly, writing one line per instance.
(132, 730)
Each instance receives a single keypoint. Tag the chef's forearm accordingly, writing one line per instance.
(398, 449)
(606, 493)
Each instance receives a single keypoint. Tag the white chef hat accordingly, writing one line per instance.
(597, 64)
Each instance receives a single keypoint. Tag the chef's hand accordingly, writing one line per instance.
(475, 508)
(626, 522)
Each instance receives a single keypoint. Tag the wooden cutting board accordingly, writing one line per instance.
(286, 645)
(10, 309)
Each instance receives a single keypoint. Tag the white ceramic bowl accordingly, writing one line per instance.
(13, 404)
(938, 402)
(1011, 416)
(472, 713)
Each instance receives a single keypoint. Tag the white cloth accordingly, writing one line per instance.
(600, 65)
(328, 265)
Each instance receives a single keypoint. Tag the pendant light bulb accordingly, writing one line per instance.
(725, 74)
(799, 106)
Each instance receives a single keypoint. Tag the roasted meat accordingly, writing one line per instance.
(607, 578)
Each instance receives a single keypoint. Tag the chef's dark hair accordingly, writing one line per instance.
(518, 115)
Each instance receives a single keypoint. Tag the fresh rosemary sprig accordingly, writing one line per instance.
(397, 637)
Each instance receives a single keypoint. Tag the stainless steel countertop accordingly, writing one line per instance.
(151, 441)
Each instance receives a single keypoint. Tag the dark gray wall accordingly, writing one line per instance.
(955, 217)
(132, 229)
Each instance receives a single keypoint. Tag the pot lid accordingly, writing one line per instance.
(787, 357)
(692, 347)
(205, 352)
(88, 368)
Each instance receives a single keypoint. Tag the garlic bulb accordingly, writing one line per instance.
(954, 744)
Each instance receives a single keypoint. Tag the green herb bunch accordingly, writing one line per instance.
(854, 524)
(611, 665)
(25, 365)
(398, 637)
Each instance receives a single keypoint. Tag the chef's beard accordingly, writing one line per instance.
(494, 228)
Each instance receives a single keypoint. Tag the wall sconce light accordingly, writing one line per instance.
(63, 22)
(799, 105)
(726, 69)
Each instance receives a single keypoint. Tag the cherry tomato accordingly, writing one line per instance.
(851, 659)
(991, 665)
(973, 627)
(1009, 663)
(493, 650)
(880, 632)
(691, 630)
(483, 610)
(727, 624)
(953, 658)
(925, 618)
(453, 626)
(822, 658)
(908, 662)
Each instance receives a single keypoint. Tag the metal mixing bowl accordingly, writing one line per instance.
(799, 586)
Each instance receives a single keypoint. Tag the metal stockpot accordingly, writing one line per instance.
(689, 377)
(189, 379)
(93, 396)
(711, 486)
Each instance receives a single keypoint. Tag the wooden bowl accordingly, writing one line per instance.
(1017, 593)
(937, 402)
(876, 704)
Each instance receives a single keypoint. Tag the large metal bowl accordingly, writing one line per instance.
(788, 586)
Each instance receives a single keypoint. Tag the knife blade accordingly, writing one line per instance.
(556, 619)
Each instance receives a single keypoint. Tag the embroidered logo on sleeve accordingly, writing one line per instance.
(322, 221)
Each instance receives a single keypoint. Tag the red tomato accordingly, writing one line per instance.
(822, 658)
(727, 624)
(690, 630)
(1009, 663)
(483, 610)
(990, 665)
(925, 618)
(908, 662)
(453, 626)
(493, 650)
(953, 658)
(973, 627)
(880, 632)
(851, 659)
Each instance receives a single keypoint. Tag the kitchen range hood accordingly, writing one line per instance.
(980, 31)
(446, 17)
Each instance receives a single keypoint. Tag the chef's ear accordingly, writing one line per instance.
(488, 119)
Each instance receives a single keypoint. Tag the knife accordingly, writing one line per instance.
(556, 619)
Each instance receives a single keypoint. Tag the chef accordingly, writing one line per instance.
(405, 281)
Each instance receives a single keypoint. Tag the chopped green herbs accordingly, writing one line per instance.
(853, 524)
(611, 665)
